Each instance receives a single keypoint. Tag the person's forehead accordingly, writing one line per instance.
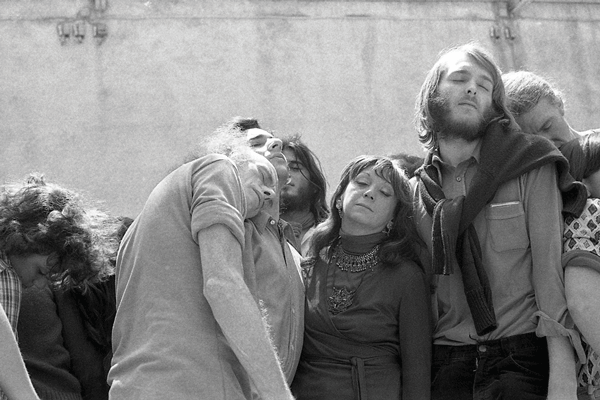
(458, 61)
(255, 133)
(538, 114)
(290, 154)
(370, 172)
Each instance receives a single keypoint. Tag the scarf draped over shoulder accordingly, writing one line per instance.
(505, 155)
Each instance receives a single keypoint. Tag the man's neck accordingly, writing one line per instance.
(272, 210)
(455, 151)
(298, 216)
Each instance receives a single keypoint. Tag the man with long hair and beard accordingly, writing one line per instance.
(488, 207)
(302, 198)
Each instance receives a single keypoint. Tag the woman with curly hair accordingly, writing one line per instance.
(366, 312)
(47, 234)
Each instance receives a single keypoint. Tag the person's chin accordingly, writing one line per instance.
(286, 196)
(252, 213)
(470, 118)
(279, 163)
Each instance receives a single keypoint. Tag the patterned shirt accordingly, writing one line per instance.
(583, 233)
(10, 296)
(10, 291)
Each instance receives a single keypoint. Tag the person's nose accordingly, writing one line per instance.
(269, 193)
(471, 88)
(369, 193)
(274, 145)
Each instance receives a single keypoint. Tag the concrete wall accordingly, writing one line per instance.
(111, 117)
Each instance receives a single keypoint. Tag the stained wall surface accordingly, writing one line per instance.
(111, 115)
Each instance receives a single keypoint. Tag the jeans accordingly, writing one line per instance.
(515, 367)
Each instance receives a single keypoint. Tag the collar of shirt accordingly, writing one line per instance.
(441, 166)
(264, 221)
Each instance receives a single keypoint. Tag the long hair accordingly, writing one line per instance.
(316, 178)
(424, 122)
(525, 89)
(399, 244)
(41, 218)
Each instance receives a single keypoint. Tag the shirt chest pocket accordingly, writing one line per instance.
(506, 226)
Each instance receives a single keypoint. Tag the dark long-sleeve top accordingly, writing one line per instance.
(64, 364)
(380, 346)
(42, 344)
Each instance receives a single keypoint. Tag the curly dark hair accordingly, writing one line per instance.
(403, 235)
(41, 218)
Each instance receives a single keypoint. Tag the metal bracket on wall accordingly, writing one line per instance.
(77, 27)
(508, 34)
(100, 32)
(64, 30)
(495, 32)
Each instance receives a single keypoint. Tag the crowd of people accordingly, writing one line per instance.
(469, 273)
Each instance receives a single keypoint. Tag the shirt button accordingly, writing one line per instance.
(272, 222)
(482, 348)
(458, 179)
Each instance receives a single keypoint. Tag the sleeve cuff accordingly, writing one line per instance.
(549, 327)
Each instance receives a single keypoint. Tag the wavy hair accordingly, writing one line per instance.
(424, 121)
(400, 242)
(525, 89)
(316, 178)
(41, 218)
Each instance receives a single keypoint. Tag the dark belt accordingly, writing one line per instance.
(503, 346)
(359, 379)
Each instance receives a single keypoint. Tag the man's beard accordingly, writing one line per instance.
(448, 127)
(289, 203)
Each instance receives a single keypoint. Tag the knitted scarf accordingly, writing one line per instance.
(504, 155)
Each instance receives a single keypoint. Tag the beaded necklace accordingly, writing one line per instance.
(353, 263)
(341, 298)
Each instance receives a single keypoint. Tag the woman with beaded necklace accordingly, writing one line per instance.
(367, 327)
